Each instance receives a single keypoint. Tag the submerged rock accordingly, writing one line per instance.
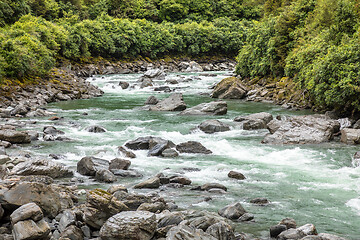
(231, 88)
(211, 108)
(236, 175)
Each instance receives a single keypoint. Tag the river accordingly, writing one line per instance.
(316, 184)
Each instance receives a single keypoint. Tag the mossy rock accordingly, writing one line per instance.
(230, 88)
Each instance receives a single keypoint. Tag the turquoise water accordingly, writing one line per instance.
(316, 184)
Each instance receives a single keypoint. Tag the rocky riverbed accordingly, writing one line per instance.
(162, 168)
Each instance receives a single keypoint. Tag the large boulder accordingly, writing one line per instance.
(105, 202)
(136, 225)
(27, 211)
(29, 230)
(95, 129)
(88, 166)
(13, 136)
(309, 129)
(184, 232)
(231, 88)
(149, 183)
(193, 67)
(211, 108)
(118, 163)
(233, 211)
(154, 74)
(104, 175)
(192, 147)
(350, 136)
(174, 102)
(42, 167)
(213, 125)
(255, 121)
(297, 233)
(221, 231)
(41, 194)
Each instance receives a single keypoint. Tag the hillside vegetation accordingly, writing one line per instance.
(313, 42)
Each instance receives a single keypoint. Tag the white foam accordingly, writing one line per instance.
(354, 204)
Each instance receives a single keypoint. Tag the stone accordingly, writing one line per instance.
(236, 175)
(29, 230)
(94, 217)
(180, 179)
(194, 67)
(118, 163)
(140, 225)
(72, 232)
(126, 173)
(169, 153)
(150, 183)
(211, 108)
(104, 175)
(174, 102)
(4, 159)
(326, 236)
(114, 188)
(298, 233)
(152, 100)
(221, 231)
(276, 230)
(140, 143)
(308, 129)
(172, 81)
(152, 207)
(41, 194)
(159, 148)
(184, 232)
(146, 83)
(105, 202)
(259, 201)
(288, 222)
(3, 172)
(169, 219)
(95, 129)
(162, 89)
(255, 121)
(246, 217)
(42, 167)
(67, 219)
(25, 212)
(13, 136)
(357, 124)
(350, 136)
(233, 211)
(51, 130)
(208, 186)
(213, 125)
(124, 85)
(88, 166)
(192, 147)
(126, 153)
(155, 73)
(229, 88)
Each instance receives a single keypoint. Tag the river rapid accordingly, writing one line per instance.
(318, 184)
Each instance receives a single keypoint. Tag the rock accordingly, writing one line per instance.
(114, 188)
(4, 159)
(212, 126)
(88, 166)
(357, 124)
(105, 202)
(211, 108)
(139, 225)
(152, 100)
(140, 143)
(67, 219)
(194, 67)
(126, 153)
(344, 123)
(184, 232)
(171, 218)
(159, 148)
(34, 135)
(50, 130)
(146, 83)
(259, 201)
(126, 173)
(155, 74)
(192, 147)
(104, 175)
(350, 136)
(41, 194)
(162, 89)
(288, 222)
(3, 172)
(172, 81)
(221, 231)
(169, 153)
(326, 236)
(39, 113)
(13, 136)
(72, 232)
(150, 183)
(208, 186)
(25, 212)
(95, 129)
(298, 233)
(42, 167)
(28, 230)
(180, 179)
(310, 129)
(174, 102)
(94, 217)
(255, 121)
(229, 88)
(233, 212)
(5, 144)
(124, 85)
(152, 207)
(118, 163)
(236, 175)
(276, 230)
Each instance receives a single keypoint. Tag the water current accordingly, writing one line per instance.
(317, 184)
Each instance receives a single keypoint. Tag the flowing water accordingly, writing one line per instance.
(317, 184)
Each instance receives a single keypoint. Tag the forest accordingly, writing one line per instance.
(313, 42)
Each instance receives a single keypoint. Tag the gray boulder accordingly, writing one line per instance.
(184, 232)
(118, 163)
(25, 212)
(13, 136)
(233, 211)
(212, 126)
(124, 85)
(193, 67)
(169, 153)
(95, 129)
(150, 183)
(67, 219)
(155, 74)
(174, 102)
(298, 233)
(28, 230)
(255, 121)
(230, 88)
(126, 153)
(42, 167)
(152, 100)
(221, 231)
(146, 83)
(192, 147)
(236, 175)
(72, 232)
(211, 108)
(209, 186)
(104, 175)
(88, 166)
(310, 129)
(350, 136)
(126, 173)
(152, 207)
(51, 130)
(139, 225)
